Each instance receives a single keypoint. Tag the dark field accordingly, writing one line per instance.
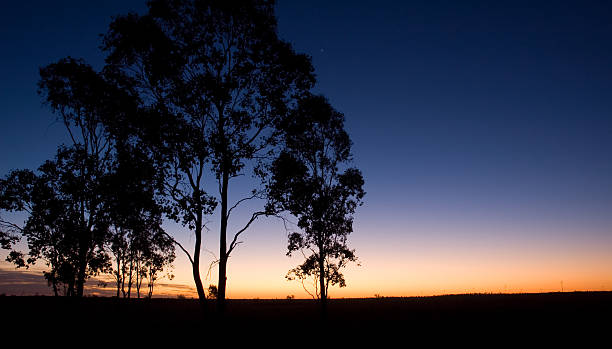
(512, 314)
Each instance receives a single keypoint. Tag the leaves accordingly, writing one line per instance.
(214, 81)
(308, 181)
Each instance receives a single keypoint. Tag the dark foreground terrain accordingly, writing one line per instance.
(510, 314)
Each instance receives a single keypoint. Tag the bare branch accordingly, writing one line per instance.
(256, 195)
(305, 289)
(180, 246)
(10, 226)
(234, 240)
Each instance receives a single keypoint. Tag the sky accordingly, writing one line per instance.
(483, 130)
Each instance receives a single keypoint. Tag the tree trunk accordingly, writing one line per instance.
(151, 282)
(129, 292)
(80, 282)
(123, 277)
(70, 290)
(118, 273)
(54, 283)
(138, 276)
(221, 286)
(196, 263)
(323, 289)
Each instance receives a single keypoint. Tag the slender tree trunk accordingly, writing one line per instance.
(137, 279)
(221, 286)
(138, 276)
(196, 263)
(55, 287)
(123, 277)
(118, 274)
(70, 290)
(151, 282)
(80, 282)
(323, 290)
(129, 292)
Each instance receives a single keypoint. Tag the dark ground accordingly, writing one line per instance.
(558, 315)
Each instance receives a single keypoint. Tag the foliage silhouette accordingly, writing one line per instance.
(7, 234)
(56, 229)
(10, 187)
(213, 292)
(84, 100)
(139, 245)
(214, 80)
(98, 184)
(311, 180)
(192, 92)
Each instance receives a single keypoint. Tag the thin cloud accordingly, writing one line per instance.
(33, 283)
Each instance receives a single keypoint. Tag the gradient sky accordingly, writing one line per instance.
(483, 129)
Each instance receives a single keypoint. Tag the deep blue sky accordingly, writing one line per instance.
(469, 119)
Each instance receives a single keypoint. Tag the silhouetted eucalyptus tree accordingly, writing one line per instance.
(139, 245)
(98, 182)
(86, 103)
(55, 229)
(311, 179)
(69, 222)
(215, 79)
(140, 255)
(159, 257)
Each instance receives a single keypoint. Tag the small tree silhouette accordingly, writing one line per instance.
(213, 292)
(312, 181)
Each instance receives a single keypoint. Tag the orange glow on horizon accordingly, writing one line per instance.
(404, 269)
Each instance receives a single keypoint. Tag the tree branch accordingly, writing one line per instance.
(256, 195)
(10, 226)
(234, 240)
(180, 246)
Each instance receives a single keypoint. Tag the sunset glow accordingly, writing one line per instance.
(484, 135)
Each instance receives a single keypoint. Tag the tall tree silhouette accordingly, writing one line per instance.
(311, 179)
(98, 182)
(215, 79)
(57, 230)
(85, 102)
